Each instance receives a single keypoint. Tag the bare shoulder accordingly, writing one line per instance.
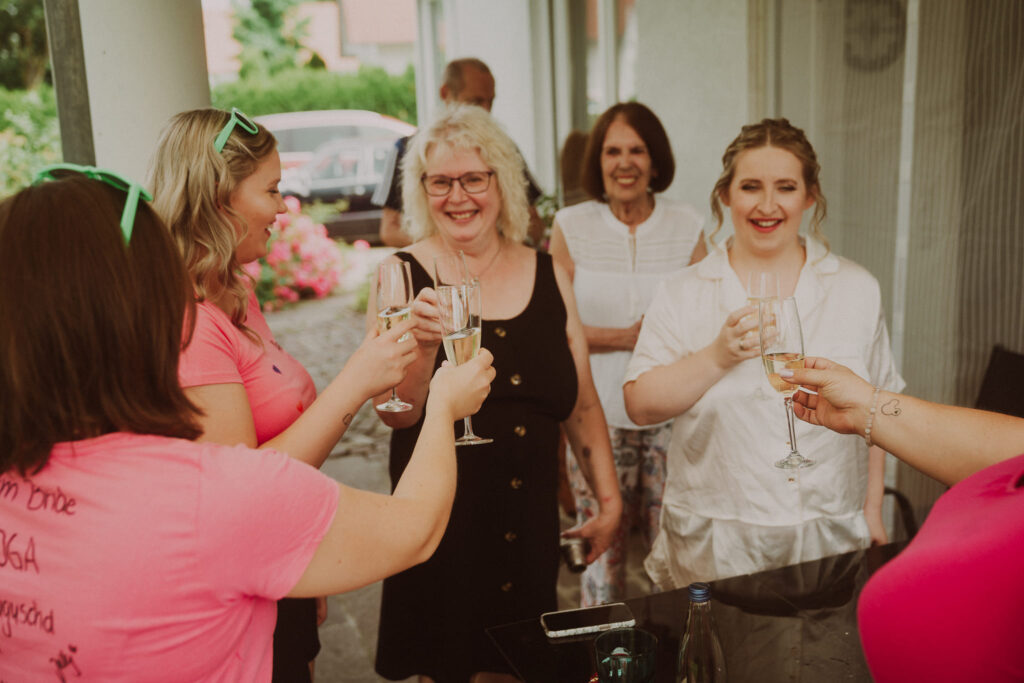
(521, 259)
(562, 277)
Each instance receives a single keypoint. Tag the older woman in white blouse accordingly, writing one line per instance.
(727, 510)
(617, 248)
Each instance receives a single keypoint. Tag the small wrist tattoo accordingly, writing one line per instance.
(347, 419)
(891, 408)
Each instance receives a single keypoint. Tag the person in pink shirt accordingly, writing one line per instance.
(947, 608)
(128, 550)
(214, 179)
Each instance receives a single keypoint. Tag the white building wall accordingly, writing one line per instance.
(145, 60)
(501, 33)
(692, 71)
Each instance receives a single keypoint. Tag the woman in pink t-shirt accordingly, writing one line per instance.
(947, 608)
(129, 552)
(215, 177)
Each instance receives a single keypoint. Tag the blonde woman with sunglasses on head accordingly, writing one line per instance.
(129, 551)
(214, 179)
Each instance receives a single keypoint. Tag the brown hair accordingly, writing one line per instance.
(92, 328)
(192, 184)
(454, 77)
(648, 127)
(772, 133)
(570, 159)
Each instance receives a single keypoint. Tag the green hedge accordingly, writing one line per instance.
(309, 89)
(29, 135)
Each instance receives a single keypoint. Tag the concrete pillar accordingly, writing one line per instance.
(145, 60)
(64, 31)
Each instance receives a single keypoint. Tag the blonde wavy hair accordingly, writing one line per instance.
(192, 185)
(466, 127)
(772, 133)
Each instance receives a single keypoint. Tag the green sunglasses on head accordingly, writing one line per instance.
(237, 119)
(115, 180)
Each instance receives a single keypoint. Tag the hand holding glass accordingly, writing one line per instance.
(782, 346)
(460, 306)
(394, 304)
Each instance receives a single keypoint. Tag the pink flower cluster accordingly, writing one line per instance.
(302, 262)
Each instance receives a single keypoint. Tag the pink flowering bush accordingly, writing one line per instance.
(302, 262)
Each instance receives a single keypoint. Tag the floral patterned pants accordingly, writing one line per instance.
(640, 464)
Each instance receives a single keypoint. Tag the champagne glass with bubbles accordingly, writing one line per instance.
(460, 307)
(394, 304)
(782, 346)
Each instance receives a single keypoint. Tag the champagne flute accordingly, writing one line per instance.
(394, 304)
(460, 305)
(761, 285)
(782, 346)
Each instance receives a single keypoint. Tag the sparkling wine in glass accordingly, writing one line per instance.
(460, 306)
(394, 304)
(782, 346)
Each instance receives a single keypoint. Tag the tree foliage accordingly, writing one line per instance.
(23, 51)
(270, 36)
(29, 135)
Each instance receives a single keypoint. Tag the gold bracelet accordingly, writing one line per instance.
(871, 416)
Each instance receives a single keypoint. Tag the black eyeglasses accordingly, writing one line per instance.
(115, 180)
(473, 182)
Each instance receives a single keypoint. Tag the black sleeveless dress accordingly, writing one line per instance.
(498, 559)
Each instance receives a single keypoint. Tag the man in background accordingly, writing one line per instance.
(468, 81)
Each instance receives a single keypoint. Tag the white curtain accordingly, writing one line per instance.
(917, 105)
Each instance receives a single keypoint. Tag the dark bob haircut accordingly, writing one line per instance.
(649, 128)
(92, 326)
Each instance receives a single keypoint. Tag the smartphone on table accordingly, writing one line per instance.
(575, 622)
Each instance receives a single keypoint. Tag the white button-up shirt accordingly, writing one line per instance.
(727, 510)
(616, 273)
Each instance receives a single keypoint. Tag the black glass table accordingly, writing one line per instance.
(795, 623)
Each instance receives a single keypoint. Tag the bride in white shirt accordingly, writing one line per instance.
(726, 510)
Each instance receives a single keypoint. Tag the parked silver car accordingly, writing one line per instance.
(346, 169)
(300, 133)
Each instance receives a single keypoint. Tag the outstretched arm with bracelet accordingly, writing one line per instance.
(948, 443)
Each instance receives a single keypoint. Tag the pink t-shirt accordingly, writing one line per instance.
(145, 558)
(950, 607)
(277, 385)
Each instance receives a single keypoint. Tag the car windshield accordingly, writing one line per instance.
(310, 138)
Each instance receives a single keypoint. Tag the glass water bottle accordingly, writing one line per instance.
(700, 658)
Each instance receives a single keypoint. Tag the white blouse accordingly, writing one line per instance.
(727, 509)
(616, 273)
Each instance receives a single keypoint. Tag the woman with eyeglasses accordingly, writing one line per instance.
(130, 549)
(462, 188)
(214, 180)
